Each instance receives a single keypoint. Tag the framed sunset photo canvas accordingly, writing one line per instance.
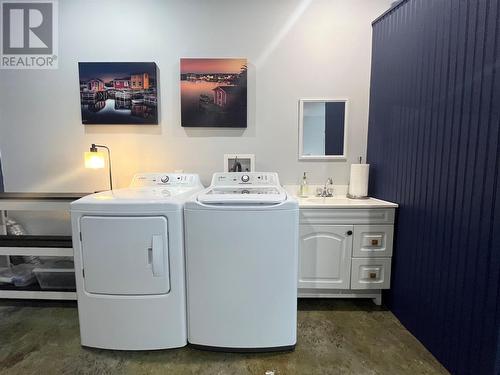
(213, 92)
(118, 93)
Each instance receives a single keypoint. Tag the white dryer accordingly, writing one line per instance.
(242, 264)
(129, 263)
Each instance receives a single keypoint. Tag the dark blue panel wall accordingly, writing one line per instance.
(434, 147)
(1, 177)
(334, 128)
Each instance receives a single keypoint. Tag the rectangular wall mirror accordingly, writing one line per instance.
(322, 129)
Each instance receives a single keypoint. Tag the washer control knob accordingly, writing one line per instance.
(165, 179)
(245, 178)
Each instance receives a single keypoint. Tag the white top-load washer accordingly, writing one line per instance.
(242, 264)
(129, 263)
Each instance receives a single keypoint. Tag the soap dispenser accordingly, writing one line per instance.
(304, 187)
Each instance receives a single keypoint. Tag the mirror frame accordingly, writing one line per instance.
(301, 130)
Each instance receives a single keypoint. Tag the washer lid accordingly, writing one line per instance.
(243, 195)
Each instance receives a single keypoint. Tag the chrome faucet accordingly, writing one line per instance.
(327, 190)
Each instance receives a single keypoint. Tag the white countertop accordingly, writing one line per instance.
(343, 202)
(338, 201)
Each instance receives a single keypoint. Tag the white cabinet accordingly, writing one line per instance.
(325, 256)
(345, 252)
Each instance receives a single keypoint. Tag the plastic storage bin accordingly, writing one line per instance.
(20, 275)
(56, 275)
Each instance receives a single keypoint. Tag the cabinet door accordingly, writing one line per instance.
(325, 256)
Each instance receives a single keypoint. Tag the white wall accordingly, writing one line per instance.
(295, 48)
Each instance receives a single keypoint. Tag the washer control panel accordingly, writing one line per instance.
(245, 178)
(165, 179)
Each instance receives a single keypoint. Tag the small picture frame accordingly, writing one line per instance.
(239, 163)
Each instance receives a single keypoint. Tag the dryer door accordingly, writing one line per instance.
(125, 255)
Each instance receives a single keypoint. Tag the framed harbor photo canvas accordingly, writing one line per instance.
(214, 92)
(118, 92)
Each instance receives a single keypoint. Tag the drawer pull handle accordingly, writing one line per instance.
(373, 275)
(374, 242)
(349, 233)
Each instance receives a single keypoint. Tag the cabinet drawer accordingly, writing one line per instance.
(371, 273)
(372, 241)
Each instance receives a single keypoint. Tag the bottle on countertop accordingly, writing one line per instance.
(304, 187)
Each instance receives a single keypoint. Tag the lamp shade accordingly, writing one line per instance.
(95, 159)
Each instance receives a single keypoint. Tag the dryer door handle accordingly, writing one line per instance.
(157, 261)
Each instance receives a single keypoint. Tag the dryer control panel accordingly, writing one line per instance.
(245, 178)
(165, 179)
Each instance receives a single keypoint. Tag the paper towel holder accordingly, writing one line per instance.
(356, 197)
(352, 196)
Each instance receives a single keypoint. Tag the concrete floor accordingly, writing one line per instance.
(334, 337)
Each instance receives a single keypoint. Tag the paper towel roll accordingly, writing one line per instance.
(358, 185)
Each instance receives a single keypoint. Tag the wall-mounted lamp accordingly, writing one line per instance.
(94, 159)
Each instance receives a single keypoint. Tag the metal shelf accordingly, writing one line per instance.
(35, 245)
(38, 201)
(37, 294)
(26, 240)
(34, 291)
(37, 251)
